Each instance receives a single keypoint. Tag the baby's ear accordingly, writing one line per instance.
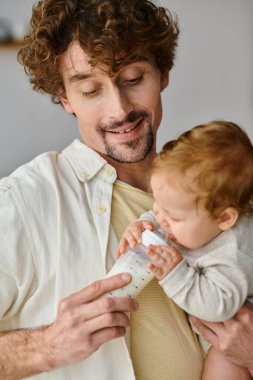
(228, 218)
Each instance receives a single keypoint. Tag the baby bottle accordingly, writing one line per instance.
(134, 261)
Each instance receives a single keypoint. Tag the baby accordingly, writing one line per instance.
(202, 184)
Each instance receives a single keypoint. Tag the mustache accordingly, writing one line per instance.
(130, 118)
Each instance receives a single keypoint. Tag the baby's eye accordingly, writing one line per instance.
(175, 219)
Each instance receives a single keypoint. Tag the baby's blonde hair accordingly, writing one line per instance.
(220, 155)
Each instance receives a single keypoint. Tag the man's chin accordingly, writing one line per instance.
(132, 152)
(127, 158)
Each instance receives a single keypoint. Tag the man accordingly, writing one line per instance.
(107, 61)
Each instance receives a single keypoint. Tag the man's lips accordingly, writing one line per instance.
(126, 128)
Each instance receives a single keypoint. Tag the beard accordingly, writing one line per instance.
(131, 151)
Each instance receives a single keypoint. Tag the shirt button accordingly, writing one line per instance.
(85, 174)
(109, 171)
(101, 209)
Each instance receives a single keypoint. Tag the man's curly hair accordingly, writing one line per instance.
(112, 32)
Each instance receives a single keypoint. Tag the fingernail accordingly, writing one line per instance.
(125, 277)
(136, 304)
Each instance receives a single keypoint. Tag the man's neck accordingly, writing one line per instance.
(135, 174)
(136, 178)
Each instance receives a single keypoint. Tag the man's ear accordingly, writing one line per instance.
(164, 79)
(65, 102)
(228, 218)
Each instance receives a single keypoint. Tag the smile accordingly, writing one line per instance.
(122, 131)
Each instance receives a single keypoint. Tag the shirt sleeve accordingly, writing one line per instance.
(16, 263)
(213, 290)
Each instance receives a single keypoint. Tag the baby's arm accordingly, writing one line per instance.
(212, 290)
(164, 260)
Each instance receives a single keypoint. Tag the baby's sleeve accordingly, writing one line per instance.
(150, 216)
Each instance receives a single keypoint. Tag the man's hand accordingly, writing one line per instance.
(233, 338)
(85, 320)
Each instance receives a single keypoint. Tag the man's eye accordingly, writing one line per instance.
(134, 80)
(89, 93)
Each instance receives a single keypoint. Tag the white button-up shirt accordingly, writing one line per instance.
(55, 236)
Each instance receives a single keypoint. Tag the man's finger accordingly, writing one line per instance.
(207, 330)
(107, 305)
(105, 335)
(97, 289)
(106, 320)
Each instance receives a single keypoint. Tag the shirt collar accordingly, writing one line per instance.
(86, 162)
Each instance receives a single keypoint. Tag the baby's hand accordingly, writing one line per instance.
(164, 259)
(132, 235)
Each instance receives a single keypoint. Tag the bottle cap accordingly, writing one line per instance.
(150, 237)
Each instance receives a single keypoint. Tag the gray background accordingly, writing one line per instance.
(212, 78)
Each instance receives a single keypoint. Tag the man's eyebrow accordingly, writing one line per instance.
(79, 76)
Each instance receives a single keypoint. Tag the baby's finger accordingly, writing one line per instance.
(147, 225)
(163, 250)
(136, 232)
(156, 258)
(117, 253)
(154, 249)
(130, 238)
(170, 254)
(158, 272)
(167, 251)
(123, 244)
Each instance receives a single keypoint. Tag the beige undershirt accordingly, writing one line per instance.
(162, 344)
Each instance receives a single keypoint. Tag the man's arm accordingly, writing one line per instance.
(83, 323)
(233, 338)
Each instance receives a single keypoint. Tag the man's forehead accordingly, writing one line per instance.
(77, 60)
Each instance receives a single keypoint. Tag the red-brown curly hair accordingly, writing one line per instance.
(219, 154)
(113, 32)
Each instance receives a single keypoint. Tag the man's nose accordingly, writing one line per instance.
(118, 104)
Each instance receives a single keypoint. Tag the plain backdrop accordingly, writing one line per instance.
(212, 79)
